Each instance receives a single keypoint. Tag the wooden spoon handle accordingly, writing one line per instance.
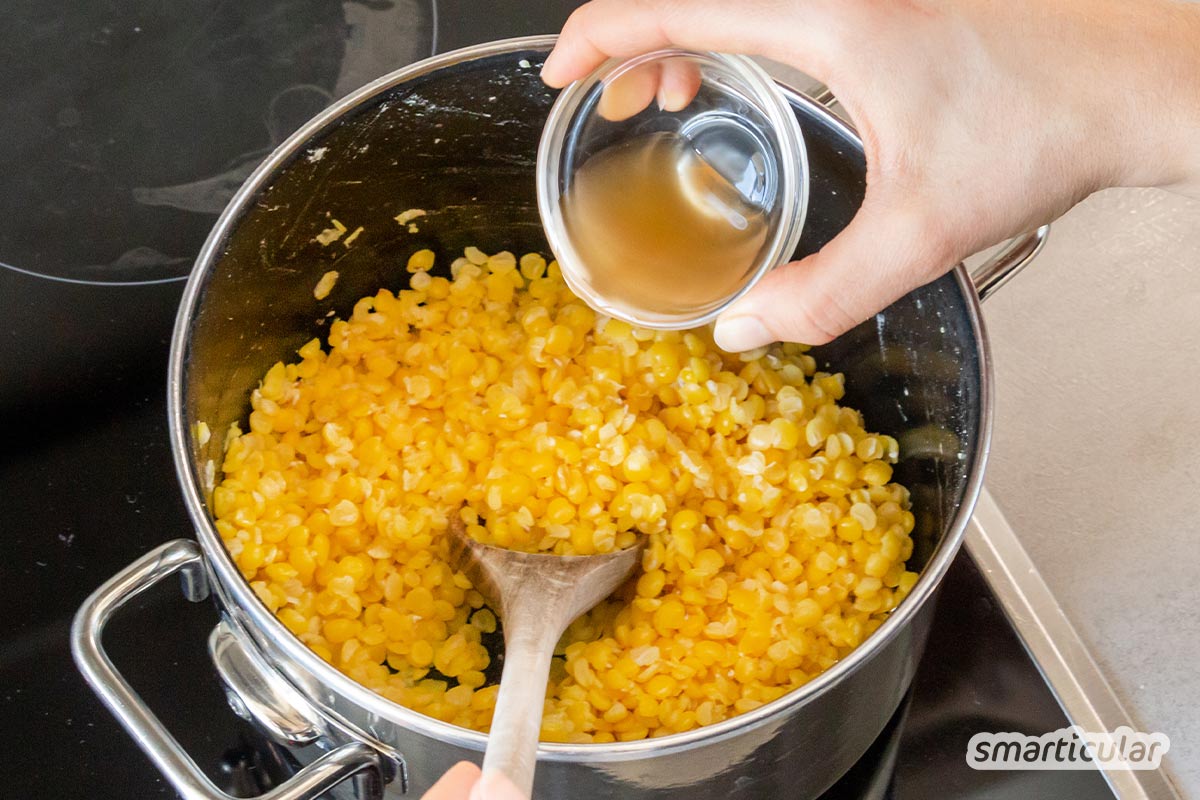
(513, 740)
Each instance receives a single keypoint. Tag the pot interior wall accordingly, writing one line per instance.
(460, 142)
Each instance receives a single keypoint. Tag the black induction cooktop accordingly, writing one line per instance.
(129, 124)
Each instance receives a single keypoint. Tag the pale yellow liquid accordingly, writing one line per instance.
(659, 230)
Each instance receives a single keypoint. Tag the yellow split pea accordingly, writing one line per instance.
(777, 539)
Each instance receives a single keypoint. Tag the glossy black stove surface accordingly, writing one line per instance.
(129, 124)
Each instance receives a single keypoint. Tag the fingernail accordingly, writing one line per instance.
(738, 334)
(495, 786)
(670, 101)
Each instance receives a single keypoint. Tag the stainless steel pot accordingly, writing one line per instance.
(456, 135)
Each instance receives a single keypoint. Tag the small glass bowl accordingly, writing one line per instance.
(738, 121)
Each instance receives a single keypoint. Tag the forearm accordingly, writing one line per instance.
(1161, 144)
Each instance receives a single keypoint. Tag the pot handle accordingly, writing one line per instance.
(183, 555)
(1013, 257)
(1002, 265)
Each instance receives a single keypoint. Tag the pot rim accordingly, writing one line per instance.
(268, 625)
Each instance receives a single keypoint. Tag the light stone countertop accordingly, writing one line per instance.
(1096, 451)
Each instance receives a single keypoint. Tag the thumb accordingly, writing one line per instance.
(496, 786)
(455, 784)
(881, 255)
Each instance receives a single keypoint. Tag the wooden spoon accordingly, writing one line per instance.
(537, 595)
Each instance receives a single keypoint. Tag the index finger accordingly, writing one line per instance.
(796, 33)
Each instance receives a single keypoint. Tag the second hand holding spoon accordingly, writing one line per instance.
(536, 595)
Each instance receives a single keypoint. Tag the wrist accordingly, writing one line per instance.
(1161, 130)
(1188, 179)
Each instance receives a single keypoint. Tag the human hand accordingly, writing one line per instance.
(463, 782)
(980, 120)
(671, 84)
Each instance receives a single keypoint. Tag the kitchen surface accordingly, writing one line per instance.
(1095, 347)
(130, 128)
